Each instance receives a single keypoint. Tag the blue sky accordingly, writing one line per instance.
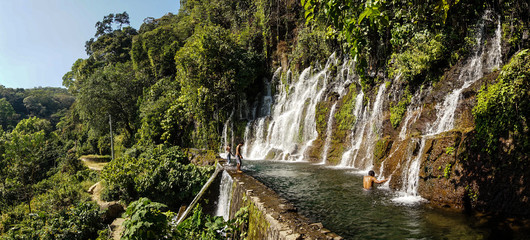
(41, 39)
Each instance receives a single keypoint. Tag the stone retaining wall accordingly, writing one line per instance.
(270, 216)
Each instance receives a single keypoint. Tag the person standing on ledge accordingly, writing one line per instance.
(368, 181)
(228, 154)
(239, 157)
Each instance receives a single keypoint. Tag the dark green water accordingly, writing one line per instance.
(335, 198)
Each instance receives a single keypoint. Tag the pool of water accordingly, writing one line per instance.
(335, 198)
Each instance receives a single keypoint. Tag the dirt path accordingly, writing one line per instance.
(93, 165)
(112, 210)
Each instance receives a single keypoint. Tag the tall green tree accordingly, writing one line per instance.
(111, 90)
(7, 113)
(213, 72)
(154, 48)
(23, 165)
(105, 83)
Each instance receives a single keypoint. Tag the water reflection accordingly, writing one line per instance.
(336, 198)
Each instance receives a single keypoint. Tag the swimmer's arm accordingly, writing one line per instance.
(381, 181)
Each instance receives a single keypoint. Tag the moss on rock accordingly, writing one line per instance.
(382, 147)
(397, 111)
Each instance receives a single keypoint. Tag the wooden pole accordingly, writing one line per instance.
(111, 138)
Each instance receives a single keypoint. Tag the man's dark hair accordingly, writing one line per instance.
(371, 173)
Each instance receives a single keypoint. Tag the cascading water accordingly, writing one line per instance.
(265, 110)
(328, 134)
(356, 142)
(412, 115)
(484, 57)
(291, 127)
(226, 138)
(225, 191)
(358, 137)
(286, 125)
(409, 191)
(366, 132)
(376, 120)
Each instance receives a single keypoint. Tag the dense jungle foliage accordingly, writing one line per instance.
(46, 103)
(177, 79)
(148, 220)
(503, 108)
(161, 174)
(412, 42)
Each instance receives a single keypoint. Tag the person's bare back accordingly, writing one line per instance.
(238, 150)
(368, 181)
(239, 157)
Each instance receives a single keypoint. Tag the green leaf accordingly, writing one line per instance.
(365, 13)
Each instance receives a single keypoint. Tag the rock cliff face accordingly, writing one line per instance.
(325, 115)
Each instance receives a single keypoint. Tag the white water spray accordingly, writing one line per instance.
(366, 133)
(329, 134)
(485, 58)
(291, 126)
(225, 192)
(411, 116)
(356, 143)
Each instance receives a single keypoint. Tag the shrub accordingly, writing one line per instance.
(145, 220)
(311, 46)
(449, 150)
(397, 111)
(79, 221)
(159, 173)
(418, 57)
(61, 209)
(502, 108)
(202, 226)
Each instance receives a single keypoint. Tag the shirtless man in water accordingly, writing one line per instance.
(368, 181)
(239, 157)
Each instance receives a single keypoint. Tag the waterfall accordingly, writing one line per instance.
(376, 120)
(227, 139)
(486, 57)
(267, 100)
(495, 58)
(329, 133)
(366, 132)
(291, 126)
(247, 137)
(410, 177)
(472, 71)
(411, 116)
(358, 137)
(224, 138)
(225, 192)
(356, 142)
(285, 123)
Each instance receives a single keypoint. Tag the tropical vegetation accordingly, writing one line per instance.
(173, 83)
